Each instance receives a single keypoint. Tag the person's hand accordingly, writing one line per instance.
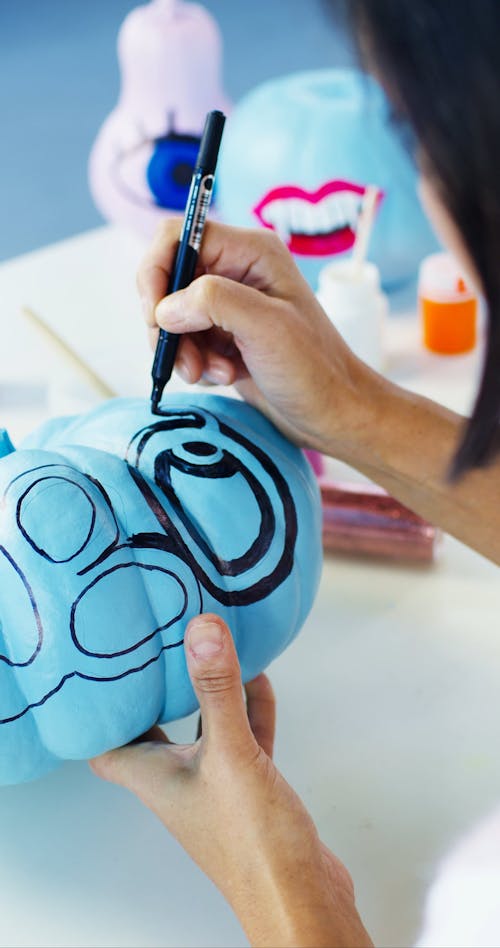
(250, 318)
(234, 813)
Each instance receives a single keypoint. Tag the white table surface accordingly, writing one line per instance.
(388, 701)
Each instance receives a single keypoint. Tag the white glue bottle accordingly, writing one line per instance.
(350, 293)
(352, 299)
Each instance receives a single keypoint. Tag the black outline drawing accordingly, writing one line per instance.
(36, 614)
(208, 461)
(147, 638)
(26, 535)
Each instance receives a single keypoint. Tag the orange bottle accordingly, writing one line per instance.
(448, 306)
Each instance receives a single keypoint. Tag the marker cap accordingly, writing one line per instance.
(210, 141)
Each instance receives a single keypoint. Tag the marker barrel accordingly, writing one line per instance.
(184, 268)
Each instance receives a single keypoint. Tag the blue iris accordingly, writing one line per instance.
(170, 169)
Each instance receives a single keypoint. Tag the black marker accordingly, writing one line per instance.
(198, 203)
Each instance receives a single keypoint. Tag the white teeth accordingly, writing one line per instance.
(294, 210)
(335, 212)
(311, 217)
(323, 218)
(277, 215)
(297, 216)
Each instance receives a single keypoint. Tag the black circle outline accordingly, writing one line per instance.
(28, 537)
(147, 638)
(197, 418)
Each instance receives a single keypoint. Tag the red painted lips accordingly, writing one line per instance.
(313, 223)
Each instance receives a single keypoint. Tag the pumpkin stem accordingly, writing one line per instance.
(6, 446)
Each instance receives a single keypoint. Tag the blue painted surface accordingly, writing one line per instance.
(59, 79)
(117, 528)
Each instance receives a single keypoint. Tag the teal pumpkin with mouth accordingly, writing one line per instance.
(297, 156)
(116, 528)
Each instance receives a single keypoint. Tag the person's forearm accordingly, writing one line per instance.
(311, 929)
(296, 908)
(406, 445)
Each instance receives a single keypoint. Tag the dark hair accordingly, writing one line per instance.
(439, 62)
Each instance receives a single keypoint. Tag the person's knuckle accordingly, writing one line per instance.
(216, 683)
(207, 289)
(167, 229)
(273, 242)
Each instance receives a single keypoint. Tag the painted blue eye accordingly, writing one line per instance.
(170, 169)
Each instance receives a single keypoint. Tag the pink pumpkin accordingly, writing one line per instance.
(143, 157)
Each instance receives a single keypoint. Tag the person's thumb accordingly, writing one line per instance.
(215, 673)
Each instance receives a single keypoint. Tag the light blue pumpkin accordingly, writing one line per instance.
(116, 528)
(297, 155)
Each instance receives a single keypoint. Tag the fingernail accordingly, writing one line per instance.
(204, 639)
(217, 374)
(182, 368)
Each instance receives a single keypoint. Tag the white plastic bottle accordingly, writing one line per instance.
(351, 296)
